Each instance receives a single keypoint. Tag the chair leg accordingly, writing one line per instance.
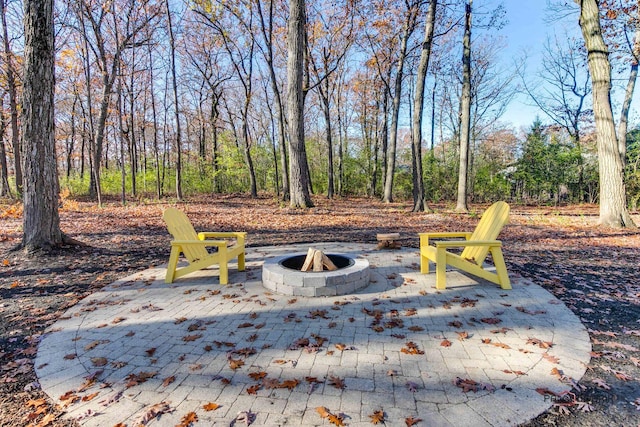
(241, 262)
(224, 272)
(173, 264)
(424, 264)
(501, 268)
(441, 269)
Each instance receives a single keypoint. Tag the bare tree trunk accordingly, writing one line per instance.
(613, 202)
(176, 106)
(4, 171)
(133, 145)
(323, 90)
(267, 34)
(409, 26)
(300, 196)
(342, 133)
(156, 150)
(624, 113)
(465, 113)
(41, 222)
(213, 118)
(375, 137)
(72, 137)
(13, 103)
(121, 133)
(628, 97)
(418, 107)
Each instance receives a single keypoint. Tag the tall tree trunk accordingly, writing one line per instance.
(41, 221)
(13, 100)
(253, 186)
(613, 201)
(374, 138)
(121, 138)
(300, 196)
(248, 88)
(341, 145)
(72, 137)
(465, 113)
(133, 144)
(323, 90)
(156, 148)
(174, 84)
(267, 34)
(628, 96)
(215, 100)
(5, 190)
(624, 113)
(418, 107)
(409, 26)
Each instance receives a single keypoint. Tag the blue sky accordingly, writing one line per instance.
(527, 31)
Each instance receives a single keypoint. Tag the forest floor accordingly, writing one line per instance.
(593, 270)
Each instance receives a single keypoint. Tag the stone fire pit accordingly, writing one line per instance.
(283, 275)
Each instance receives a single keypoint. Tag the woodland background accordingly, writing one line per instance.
(166, 98)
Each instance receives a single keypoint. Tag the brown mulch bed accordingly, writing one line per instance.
(593, 270)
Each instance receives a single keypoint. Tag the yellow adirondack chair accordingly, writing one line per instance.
(193, 245)
(477, 246)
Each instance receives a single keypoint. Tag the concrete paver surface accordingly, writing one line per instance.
(470, 355)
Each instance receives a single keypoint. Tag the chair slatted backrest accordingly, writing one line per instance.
(490, 225)
(180, 228)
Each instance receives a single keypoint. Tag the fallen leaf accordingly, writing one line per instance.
(90, 397)
(188, 420)
(153, 412)
(540, 343)
(210, 406)
(557, 373)
(99, 361)
(412, 387)
(462, 335)
(377, 417)
(189, 338)
(323, 412)
(235, 363)
(254, 389)
(410, 421)
(337, 382)
(336, 419)
(550, 358)
(257, 375)
(168, 380)
(290, 384)
(445, 343)
(411, 348)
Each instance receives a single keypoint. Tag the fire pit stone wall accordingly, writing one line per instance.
(283, 280)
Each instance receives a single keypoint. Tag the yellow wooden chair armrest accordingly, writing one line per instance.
(425, 237)
(222, 234)
(446, 234)
(461, 243)
(218, 243)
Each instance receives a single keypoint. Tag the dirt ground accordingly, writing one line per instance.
(593, 270)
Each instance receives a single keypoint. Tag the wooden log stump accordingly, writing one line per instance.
(388, 241)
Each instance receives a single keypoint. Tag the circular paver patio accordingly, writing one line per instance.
(473, 354)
